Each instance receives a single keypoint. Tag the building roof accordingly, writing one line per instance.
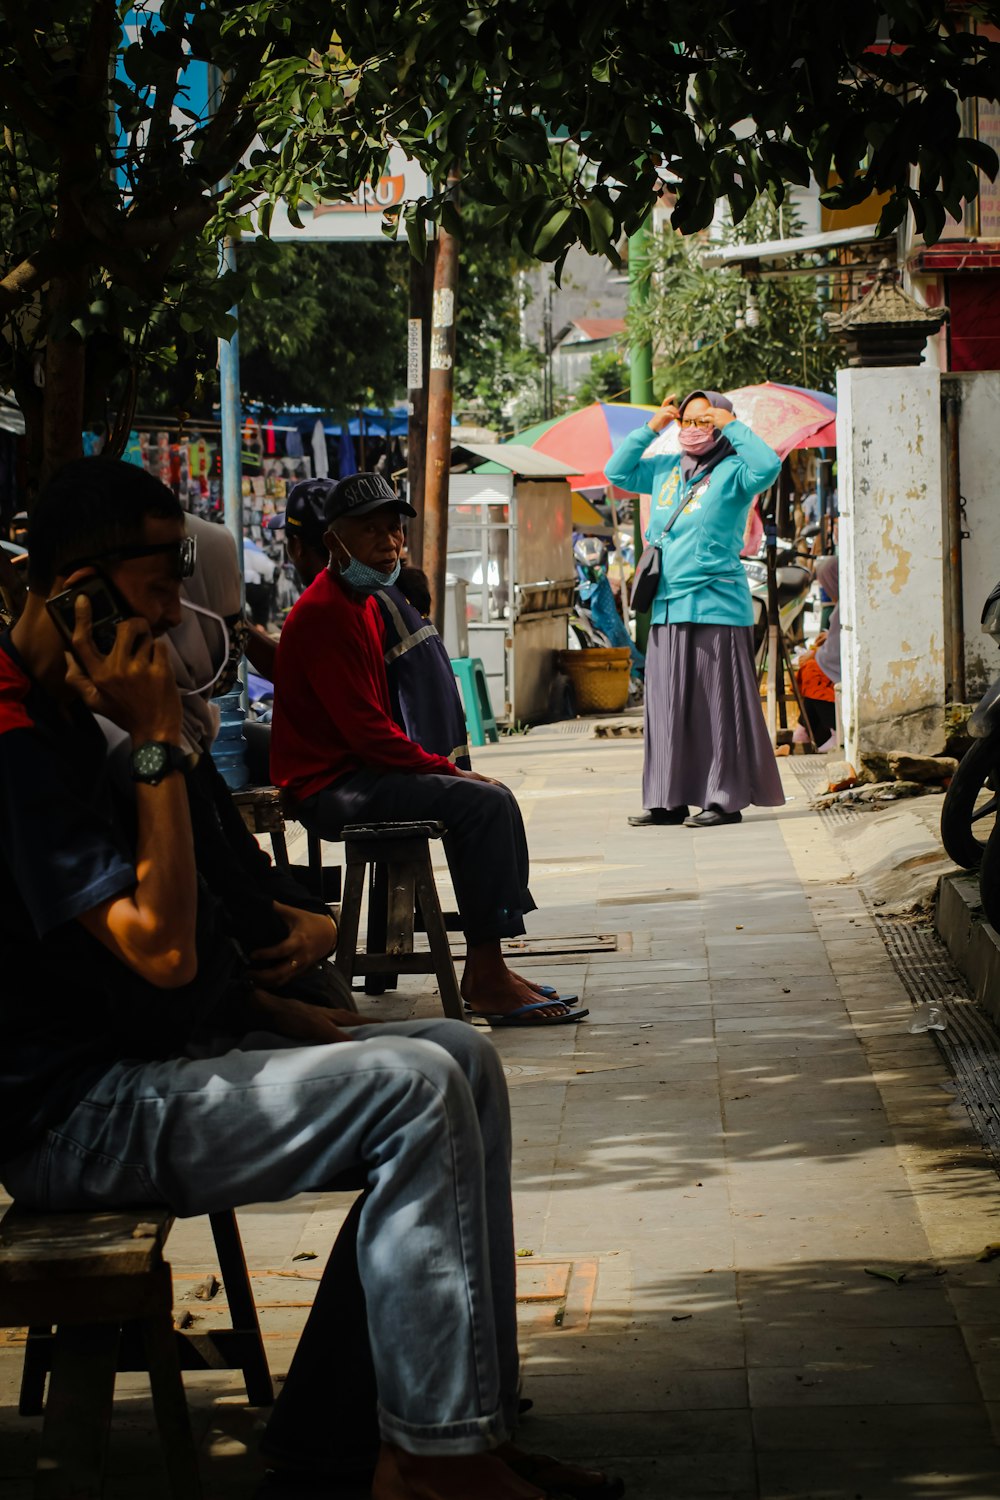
(599, 328)
(830, 239)
(519, 459)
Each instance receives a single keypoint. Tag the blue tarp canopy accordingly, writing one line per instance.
(377, 423)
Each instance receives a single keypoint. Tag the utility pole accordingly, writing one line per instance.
(640, 361)
(440, 398)
(229, 750)
(417, 361)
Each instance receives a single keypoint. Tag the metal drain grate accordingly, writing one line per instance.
(970, 1043)
(844, 812)
(812, 773)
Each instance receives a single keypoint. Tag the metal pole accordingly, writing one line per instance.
(955, 691)
(229, 402)
(640, 354)
(640, 379)
(775, 665)
(440, 397)
(417, 360)
(229, 750)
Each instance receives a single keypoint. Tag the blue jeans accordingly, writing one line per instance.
(420, 1106)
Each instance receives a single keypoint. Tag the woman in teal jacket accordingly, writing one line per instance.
(705, 739)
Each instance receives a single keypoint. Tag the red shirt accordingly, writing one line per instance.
(331, 700)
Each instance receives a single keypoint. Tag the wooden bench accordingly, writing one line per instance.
(95, 1294)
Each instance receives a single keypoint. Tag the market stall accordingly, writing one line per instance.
(510, 537)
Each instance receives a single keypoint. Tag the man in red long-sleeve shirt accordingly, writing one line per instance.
(337, 750)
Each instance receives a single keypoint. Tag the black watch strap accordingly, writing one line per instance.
(155, 759)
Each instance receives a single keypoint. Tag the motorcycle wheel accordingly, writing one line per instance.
(989, 879)
(966, 828)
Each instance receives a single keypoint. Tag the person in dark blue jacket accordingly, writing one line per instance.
(705, 738)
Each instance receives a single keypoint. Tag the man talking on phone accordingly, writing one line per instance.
(142, 1061)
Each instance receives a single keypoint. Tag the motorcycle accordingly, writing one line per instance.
(969, 826)
(794, 581)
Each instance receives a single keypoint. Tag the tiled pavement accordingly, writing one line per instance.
(708, 1170)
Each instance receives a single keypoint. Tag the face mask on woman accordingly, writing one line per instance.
(698, 440)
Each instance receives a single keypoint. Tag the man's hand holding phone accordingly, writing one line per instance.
(133, 684)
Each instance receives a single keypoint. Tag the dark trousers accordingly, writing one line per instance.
(485, 843)
(326, 1416)
(822, 718)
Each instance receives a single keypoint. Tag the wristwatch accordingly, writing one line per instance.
(151, 762)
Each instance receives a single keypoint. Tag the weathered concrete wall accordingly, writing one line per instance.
(979, 459)
(891, 581)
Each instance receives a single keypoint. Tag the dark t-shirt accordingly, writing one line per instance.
(68, 1007)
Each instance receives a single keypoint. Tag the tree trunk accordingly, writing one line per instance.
(65, 378)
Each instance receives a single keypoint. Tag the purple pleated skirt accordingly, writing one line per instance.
(706, 742)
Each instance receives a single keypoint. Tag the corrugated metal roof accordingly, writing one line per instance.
(521, 460)
(830, 239)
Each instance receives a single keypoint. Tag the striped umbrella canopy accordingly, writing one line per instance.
(585, 438)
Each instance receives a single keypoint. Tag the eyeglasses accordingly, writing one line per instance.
(703, 422)
(182, 555)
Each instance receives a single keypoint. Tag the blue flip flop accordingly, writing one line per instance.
(519, 1017)
(549, 990)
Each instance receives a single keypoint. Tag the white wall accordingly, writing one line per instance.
(891, 580)
(979, 460)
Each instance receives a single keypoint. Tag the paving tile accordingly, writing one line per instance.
(912, 1473)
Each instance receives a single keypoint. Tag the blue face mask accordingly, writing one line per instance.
(365, 580)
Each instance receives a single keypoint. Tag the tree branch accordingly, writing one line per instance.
(34, 58)
(35, 270)
(96, 58)
(228, 112)
(26, 111)
(142, 232)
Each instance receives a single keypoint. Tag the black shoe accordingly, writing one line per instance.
(658, 815)
(712, 817)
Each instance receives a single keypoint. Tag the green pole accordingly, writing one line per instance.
(640, 356)
(640, 374)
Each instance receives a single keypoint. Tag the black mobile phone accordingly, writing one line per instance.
(107, 609)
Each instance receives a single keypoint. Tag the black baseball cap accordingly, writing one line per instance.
(305, 510)
(360, 494)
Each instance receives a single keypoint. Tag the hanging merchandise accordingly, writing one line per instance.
(321, 463)
(293, 444)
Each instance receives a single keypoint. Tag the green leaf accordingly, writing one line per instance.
(982, 154)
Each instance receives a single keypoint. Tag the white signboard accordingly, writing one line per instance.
(361, 217)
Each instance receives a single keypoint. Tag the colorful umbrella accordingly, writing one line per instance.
(785, 416)
(585, 438)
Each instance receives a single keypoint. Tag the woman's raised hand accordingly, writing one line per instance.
(720, 416)
(667, 413)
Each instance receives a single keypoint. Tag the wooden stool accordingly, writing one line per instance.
(100, 1280)
(263, 811)
(402, 850)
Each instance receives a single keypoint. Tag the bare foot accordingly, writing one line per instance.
(480, 1476)
(539, 989)
(498, 995)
